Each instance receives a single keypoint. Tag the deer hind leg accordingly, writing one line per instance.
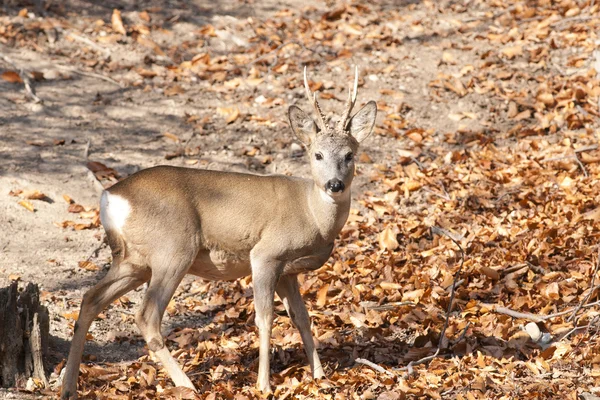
(167, 273)
(289, 292)
(120, 279)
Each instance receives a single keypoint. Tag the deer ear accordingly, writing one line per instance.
(361, 124)
(302, 125)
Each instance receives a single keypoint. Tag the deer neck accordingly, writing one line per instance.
(329, 214)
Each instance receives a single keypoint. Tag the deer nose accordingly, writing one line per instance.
(335, 185)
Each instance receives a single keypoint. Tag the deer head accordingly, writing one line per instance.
(332, 149)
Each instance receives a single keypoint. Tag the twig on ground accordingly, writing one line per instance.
(29, 91)
(575, 157)
(572, 19)
(586, 148)
(592, 289)
(371, 305)
(581, 166)
(463, 334)
(91, 75)
(534, 317)
(444, 232)
(517, 314)
(512, 269)
(440, 195)
(566, 335)
(89, 42)
(86, 150)
(457, 284)
(94, 254)
(374, 366)
(418, 163)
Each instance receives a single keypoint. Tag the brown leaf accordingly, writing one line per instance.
(387, 239)
(88, 266)
(11, 76)
(33, 195)
(27, 205)
(512, 51)
(551, 291)
(230, 113)
(490, 272)
(174, 90)
(522, 115)
(147, 73)
(144, 41)
(333, 15)
(322, 295)
(171, 136)
(117, 22)
(179, 392)
(73, 315)
(145, 16)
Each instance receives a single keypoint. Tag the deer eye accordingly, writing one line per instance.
(319, 156)
(349, 156)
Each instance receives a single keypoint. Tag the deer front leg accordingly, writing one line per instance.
(289, 292)
(265, 274)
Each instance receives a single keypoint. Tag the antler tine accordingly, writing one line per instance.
(355, 92)
(352, 93)
(312, 97)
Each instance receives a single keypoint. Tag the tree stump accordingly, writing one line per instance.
(24, 327)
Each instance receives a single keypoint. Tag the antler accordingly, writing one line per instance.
(312, 97)
(351, 101)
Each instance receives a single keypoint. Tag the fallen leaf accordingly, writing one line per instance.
(230, 113)
(88, 266)
(117, 22)
(387, 239)
(14, 277)
(322, 295)
(11, 76)
(27, 205)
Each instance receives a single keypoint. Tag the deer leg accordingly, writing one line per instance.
(163, 284)
(289, 292)
(265, 274)
(120, 279)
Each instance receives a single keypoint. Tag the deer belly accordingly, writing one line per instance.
(220, 265)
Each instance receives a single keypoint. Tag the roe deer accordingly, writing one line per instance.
(165, 222)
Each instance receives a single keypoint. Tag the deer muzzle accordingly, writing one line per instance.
(335, 186)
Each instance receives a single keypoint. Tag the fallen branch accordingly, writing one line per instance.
(533, 317)
(29, 91)
(581, 149)
(572, 19)
(440, 195)
(581, 166)
(90, 74)
(376, 367)
(89, 42)
(372, 305)
(444, 232)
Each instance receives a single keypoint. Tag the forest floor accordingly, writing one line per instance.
(486, 137)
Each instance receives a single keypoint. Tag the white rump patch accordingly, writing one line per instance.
(114, 211)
